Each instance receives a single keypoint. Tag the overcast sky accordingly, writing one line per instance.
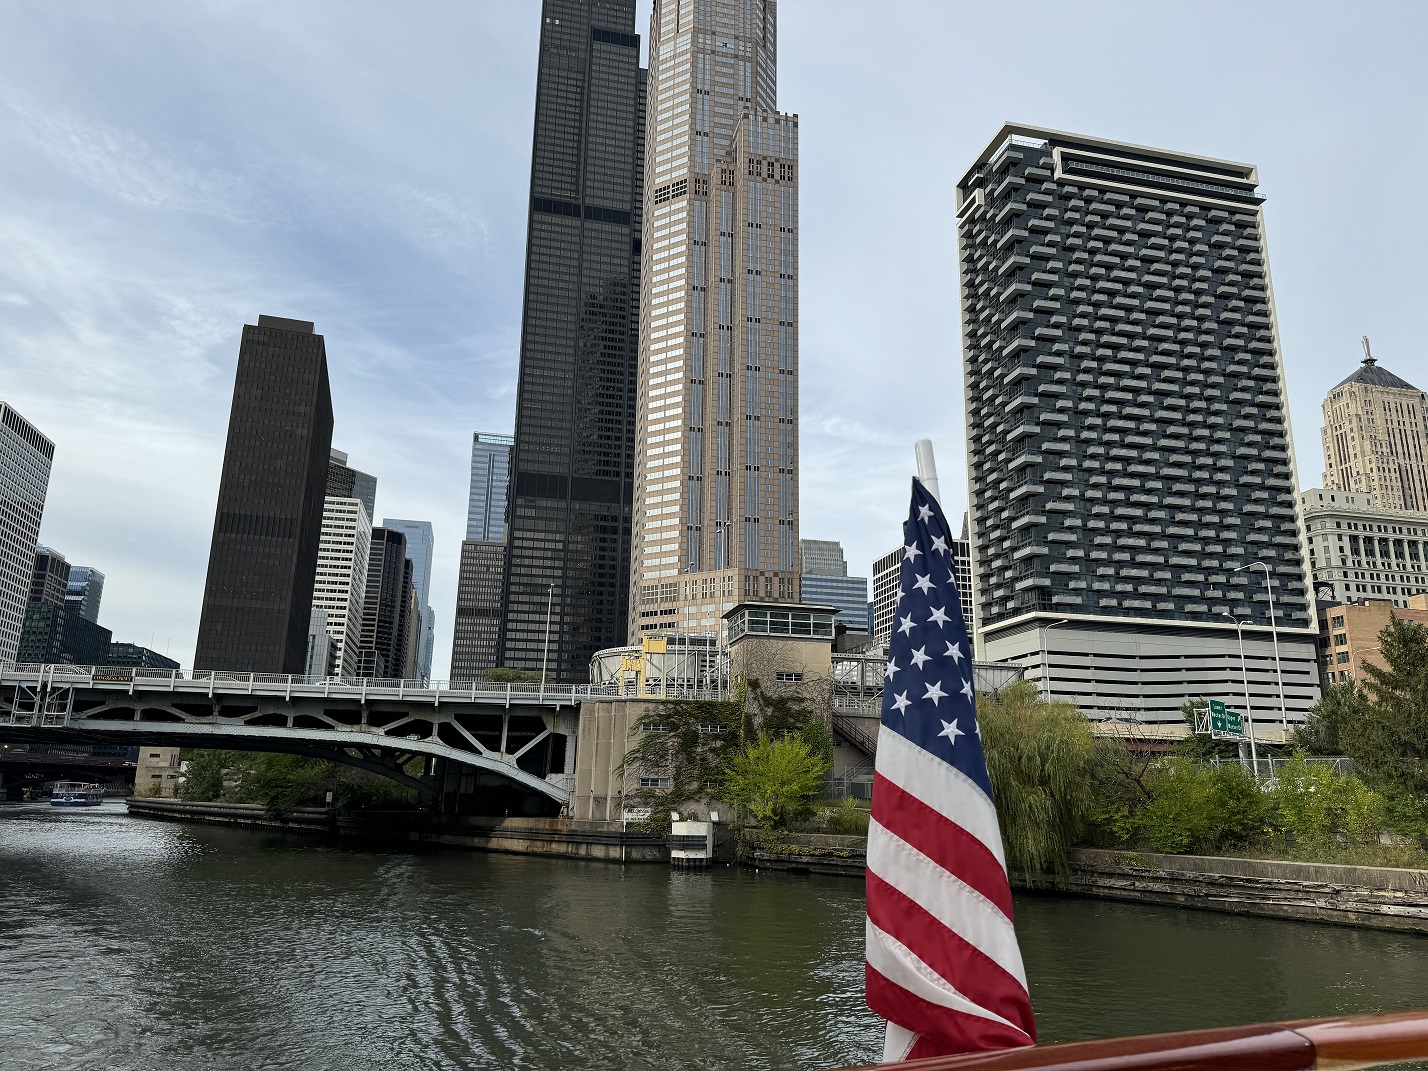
(172, 168)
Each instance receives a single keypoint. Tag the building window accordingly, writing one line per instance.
(1336, 622)
(789, 677)
(654, 782)
(655, 727)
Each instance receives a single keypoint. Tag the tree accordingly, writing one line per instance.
(686, 744)
(776, 778)
(507, 675)
(1198, 746)
(203, 777)
(1194, 807)
(1043, 762)
(1322, 731)
(1387, 736)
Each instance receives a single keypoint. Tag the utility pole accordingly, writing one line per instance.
(545, 657)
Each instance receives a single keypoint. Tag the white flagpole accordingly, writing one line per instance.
(927, 468)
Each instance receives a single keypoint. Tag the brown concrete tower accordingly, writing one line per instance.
(716, 478)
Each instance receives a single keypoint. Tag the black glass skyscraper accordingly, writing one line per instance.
(569, 532)
(258, 596)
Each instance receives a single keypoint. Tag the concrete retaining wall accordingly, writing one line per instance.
(813, 853)
(1383, 898)
(523, 836)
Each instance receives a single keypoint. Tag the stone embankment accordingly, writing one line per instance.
(813, 853)
(610, 841)
(1382, 898)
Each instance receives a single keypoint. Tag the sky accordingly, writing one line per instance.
(173, 168)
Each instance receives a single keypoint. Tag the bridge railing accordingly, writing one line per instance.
(229, 681)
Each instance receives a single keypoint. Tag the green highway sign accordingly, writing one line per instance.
(1225, 722)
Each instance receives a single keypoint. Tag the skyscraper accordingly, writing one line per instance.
(385, 616)
(1359, 551)
(263, 560)
(343, 481)
(54, 631)
(490, 482)
(574, 437)
(340, 588)
(1131, 469)
(716, 480)
(478, 609)
(1376, 438)
(25, 457)
(421, 544)
(825, 582)
(476, 633)
(86, 589)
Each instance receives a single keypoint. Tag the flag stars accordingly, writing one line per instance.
(901, 702)
(891, 670)
(920, 656)
(967, 691)
(905, 624)
(935, 692)
(940, 545)
(950, 730)
(924, 583)
(954, 652)
(924, 514)
(911, 552)
(939, 616)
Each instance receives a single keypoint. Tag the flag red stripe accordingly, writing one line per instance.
(943, 841)
(943, 1031)
(967, 969)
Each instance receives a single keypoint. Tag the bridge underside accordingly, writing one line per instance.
(478, 757)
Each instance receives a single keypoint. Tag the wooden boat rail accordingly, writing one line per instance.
(1337, 1044)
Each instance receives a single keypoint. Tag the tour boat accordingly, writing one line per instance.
(77, 794)
(1343, 1043)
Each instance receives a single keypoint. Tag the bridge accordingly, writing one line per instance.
(509, 743)
(22, 768)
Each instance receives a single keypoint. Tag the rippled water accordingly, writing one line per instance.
(132, 944)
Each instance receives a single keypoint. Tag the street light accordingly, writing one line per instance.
(1045, 662)
(545, 657)
(1274, 632)
(1244, 673)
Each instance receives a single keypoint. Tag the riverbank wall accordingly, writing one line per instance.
(609, 841)
(1383, 898)
(812, 853)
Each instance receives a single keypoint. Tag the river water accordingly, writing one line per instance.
(133, 944)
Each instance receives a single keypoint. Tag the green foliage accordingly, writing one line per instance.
(689, 742)
(507, 675)
(1322, 731)
(777, 779)
(1199, 808)
(1314, 802)
(1387, 734)
(1043, 762)
(1404, 813)
(203, 779)
(849, 819)
(282, 782)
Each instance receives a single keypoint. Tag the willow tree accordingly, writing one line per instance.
(1043, 762)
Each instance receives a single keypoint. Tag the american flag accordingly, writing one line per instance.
(943, 965)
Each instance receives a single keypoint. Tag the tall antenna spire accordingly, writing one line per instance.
(1368, 357)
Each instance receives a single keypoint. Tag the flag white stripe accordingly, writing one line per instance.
(899, 965)
(943, 787)
(946, 897)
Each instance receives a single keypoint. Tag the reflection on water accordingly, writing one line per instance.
(131, 944)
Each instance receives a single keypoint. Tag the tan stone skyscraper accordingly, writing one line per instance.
(1376, 438)
(716, 456)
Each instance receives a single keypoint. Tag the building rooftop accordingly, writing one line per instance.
(1372, 375)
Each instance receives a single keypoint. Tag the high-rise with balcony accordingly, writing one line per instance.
(573, 458)
(263, 561)
(716, 476)
(25, 458)
(1131, 468)
(1376, 438)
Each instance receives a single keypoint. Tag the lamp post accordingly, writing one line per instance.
(1274, 632)
(1244, 674)
(1045, 662)
(545, 656)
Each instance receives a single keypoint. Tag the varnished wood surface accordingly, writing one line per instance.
(1337, 1044)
